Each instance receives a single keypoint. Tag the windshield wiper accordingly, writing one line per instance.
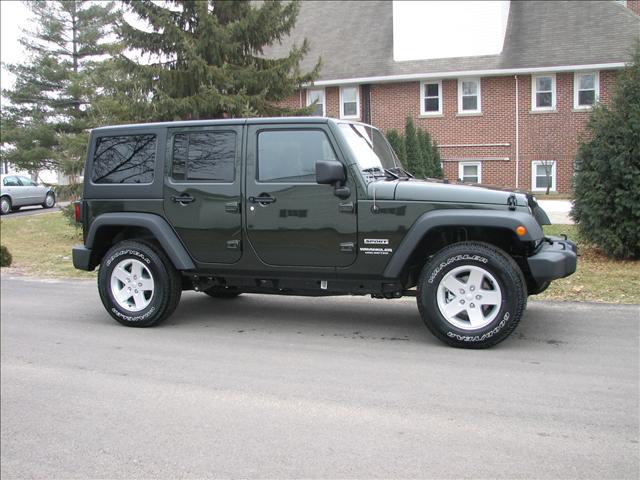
(398, 170)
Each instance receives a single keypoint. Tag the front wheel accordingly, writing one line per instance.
(471, 295)
(49, 201)
(138, 284)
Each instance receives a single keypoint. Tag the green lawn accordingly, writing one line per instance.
(41, 245)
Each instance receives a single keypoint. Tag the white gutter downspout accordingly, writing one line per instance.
(517, 134)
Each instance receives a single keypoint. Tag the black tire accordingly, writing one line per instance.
(503, 280)
(217, 292)
(49, 203)
(5, 205)
(166, 291)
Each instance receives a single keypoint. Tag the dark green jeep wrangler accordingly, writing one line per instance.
(304, 206)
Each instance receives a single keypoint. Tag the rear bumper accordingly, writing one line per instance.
(82, 258)
(557, 258)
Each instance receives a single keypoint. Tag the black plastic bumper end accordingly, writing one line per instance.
(82, 258)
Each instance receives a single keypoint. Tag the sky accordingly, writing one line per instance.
(13, 16)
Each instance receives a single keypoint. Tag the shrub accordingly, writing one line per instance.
(415, 163)
(5, 257)
(397, 143)
(69, 213)
(607, 180)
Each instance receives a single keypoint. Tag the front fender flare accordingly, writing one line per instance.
(459, 218)
(157, 225)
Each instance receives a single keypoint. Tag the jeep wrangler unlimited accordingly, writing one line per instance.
(304, 206)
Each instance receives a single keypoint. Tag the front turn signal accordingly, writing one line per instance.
(521, 231)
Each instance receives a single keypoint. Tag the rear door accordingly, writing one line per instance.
(291, 219)
(202, 191)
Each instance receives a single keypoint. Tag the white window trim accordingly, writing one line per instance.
(324, 98)
(554, 185)
(461, 166)
(576, 86)
(534, 107)
(357, 115)
(423, 93)
(479, 109)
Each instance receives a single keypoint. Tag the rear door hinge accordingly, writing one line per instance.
(347, 247)
(347, 207)
(233, 244)
(232, 207)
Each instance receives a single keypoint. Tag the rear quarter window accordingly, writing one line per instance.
(124, 159)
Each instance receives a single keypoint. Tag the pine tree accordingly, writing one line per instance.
(397, 143)
(424, 142)
(206, 59)
(436, 160)
(607, 181)
(46, 122)
(414, 155)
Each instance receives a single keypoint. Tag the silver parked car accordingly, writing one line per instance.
(17, 191)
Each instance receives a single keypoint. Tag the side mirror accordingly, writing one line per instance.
(329, 172)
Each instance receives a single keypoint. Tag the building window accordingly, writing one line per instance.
(431, 98)
(470, 172)
(317, 95)
(469, 95)
(349, 102)
(543, 92)
(543, 175)
(586, 89)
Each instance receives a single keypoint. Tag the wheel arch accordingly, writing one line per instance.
(110, 228)
(437, 229)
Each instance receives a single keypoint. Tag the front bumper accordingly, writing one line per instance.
(82, 258)
(556, 258)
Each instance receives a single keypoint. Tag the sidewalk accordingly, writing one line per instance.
(557, 210)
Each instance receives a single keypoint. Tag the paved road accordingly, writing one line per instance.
(35, 210)
(282, 387)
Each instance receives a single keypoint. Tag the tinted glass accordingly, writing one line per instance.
(10, 182)
(27, 182)
(124, 159)
(291, 155)
(204, 156)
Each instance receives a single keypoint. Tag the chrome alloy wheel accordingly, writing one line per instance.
(469, 297)
(132, 285)
(50, 200)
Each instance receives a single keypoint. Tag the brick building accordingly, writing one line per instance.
(502, 118)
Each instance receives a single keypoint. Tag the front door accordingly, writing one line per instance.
(292, 220)
(202, 191)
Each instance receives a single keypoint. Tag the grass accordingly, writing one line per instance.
(41, 246)
(598, 278)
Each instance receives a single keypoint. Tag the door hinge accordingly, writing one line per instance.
(347, 247)
(347, 207)
(232, 207)
(233, 244)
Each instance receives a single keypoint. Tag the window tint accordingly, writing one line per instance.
(10, 182)
(27, 182)
(124, 159)
(204, 156)
(291, 155)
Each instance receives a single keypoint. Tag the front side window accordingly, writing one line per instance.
(317, 96)
(543, 92)
(290, 156)
(204, 157)
(469, 95)
(431, 102)
(543, 175)
(469, 172)
(124, 159)
(349, 102)
(586, 87)
(27, 182)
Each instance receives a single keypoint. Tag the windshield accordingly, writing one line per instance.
(370, 149)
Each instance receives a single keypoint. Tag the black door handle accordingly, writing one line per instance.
(263, 199)
(183, 199)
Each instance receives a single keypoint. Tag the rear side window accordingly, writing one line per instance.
(10, 182)
(204, 157)
(290, 155)
(124, 159)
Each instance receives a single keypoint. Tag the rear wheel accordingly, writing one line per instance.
(138, 285)
(5, 205)
(471, 295)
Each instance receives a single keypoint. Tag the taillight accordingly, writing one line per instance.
(76, 207)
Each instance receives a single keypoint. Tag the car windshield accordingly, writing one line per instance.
(371, 150)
